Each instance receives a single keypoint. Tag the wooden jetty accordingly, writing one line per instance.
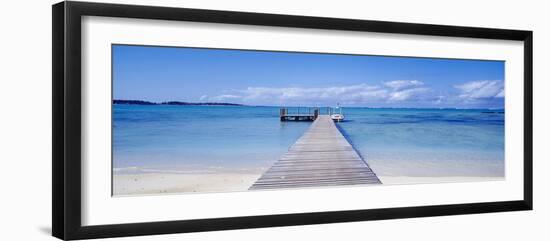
(321, 157)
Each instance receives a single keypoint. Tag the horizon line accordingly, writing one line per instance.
(190, 103)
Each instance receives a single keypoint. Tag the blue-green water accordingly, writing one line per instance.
(395, 142)
(428, 142)
(200, 137)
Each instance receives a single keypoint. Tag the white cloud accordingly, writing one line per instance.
(393, 91)
(407, 94)
(405, 89)
(439, 99)
(361, 92)
(403, 84)
(500, 94)
(410, 93)
(225, 98)
(481, 89)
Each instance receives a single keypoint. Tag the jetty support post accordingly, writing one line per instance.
(283, 112)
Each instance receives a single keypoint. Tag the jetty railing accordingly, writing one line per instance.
(306, 113)
(299, 113)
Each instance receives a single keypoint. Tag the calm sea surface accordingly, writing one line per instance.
(395, 142)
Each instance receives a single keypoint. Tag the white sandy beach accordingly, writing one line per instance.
(155, 183)
(405, 180)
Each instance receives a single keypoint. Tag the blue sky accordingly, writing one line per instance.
(303, 79)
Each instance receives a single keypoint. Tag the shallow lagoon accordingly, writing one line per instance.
(395, 142)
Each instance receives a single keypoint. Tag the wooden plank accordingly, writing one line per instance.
(321, 157)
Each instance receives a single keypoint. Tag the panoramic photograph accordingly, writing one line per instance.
(203, 120)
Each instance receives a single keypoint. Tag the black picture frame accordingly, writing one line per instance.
(66, 128)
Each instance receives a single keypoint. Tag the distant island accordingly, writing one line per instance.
(142, 102)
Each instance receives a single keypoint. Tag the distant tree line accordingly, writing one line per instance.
(142, 102)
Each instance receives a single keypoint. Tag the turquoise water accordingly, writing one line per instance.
(200, 137)
(428, 142)
(395, 142)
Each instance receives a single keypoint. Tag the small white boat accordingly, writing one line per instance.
(336, 113)
(337, 117)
